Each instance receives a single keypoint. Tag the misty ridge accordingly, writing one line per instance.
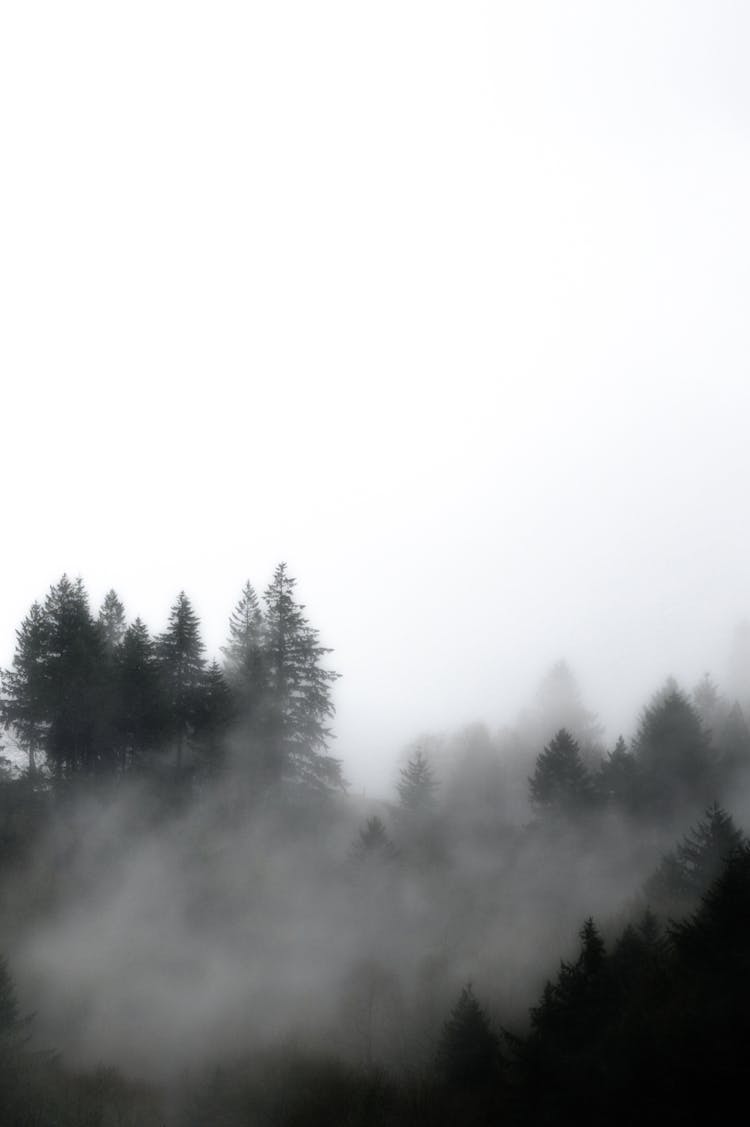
(208, 926)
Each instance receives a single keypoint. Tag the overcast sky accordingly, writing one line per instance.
(444, 303)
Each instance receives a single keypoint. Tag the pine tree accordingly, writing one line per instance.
(297, 700)
(213, 719)
(672, 751)
(53, 692)
(140, 716)
(468, 1052)
(617, 781)
(373, 846)
(243, 653)
(179, 651)
(246, 678)
(417, 785)
(560, 781)
(685, 873)
(112, 623)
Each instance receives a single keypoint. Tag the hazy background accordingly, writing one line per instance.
(443, 303)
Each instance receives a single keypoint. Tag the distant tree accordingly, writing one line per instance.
(468, 1052)
(417, 785)
(25, 705)
(213, 719)
(561, 781)
(112, 626)
(53, 691)
(617, 780)
(140, 717)
(246, 678)
(559, 704)
(297, 702)
(179, 651)
(733, 745)
(112, 623)
(373, 845)
(686, 872)
(672, 751)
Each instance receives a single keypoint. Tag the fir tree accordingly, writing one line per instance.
(111, 621)
(297, 701)
(373, 845)
(468, 1052)
(140, 718)
(417, 785)
(560, 781)
(180, 655)
(672, 751)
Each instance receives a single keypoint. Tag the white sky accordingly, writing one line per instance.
(444, 303)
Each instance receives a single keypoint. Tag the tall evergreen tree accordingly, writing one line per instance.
(140, 716)
(297, 703)
(687, 871)
(53, 691)
(672, 751)
(245, 675)
(180, 655)
(213, 719)
(468, 1052)
(417, 785)
(112, 623)
(561, 781)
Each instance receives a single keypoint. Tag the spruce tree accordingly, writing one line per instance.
(468, 1053)
(672, 751)
(53, 692)
(112, 623)
(417, 785)
(245, 675)
(180, 655)
(561, 781)
(297, 702)
(140, 716)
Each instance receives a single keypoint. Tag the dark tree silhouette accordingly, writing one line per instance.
(468, 1052)
(373, 845)
(560, 781)
(672, 751)
(686, 872)
(297, 702)
(617, 781)
(180, 655)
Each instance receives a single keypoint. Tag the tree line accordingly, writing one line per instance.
(96, 695)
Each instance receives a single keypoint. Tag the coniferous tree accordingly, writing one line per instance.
(468, 1052)
(672, 752)
(417, 785)
(213, 719)
(686, 872)
(53, 692)
(617, 781)
(733, 745)
(141, 711)
(112, 623)
(24, 705)
(180, 655)
(373, 845)
(246, 679)
(561, 781)
(297, 701)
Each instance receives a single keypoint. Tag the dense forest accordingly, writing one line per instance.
(200, 923)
